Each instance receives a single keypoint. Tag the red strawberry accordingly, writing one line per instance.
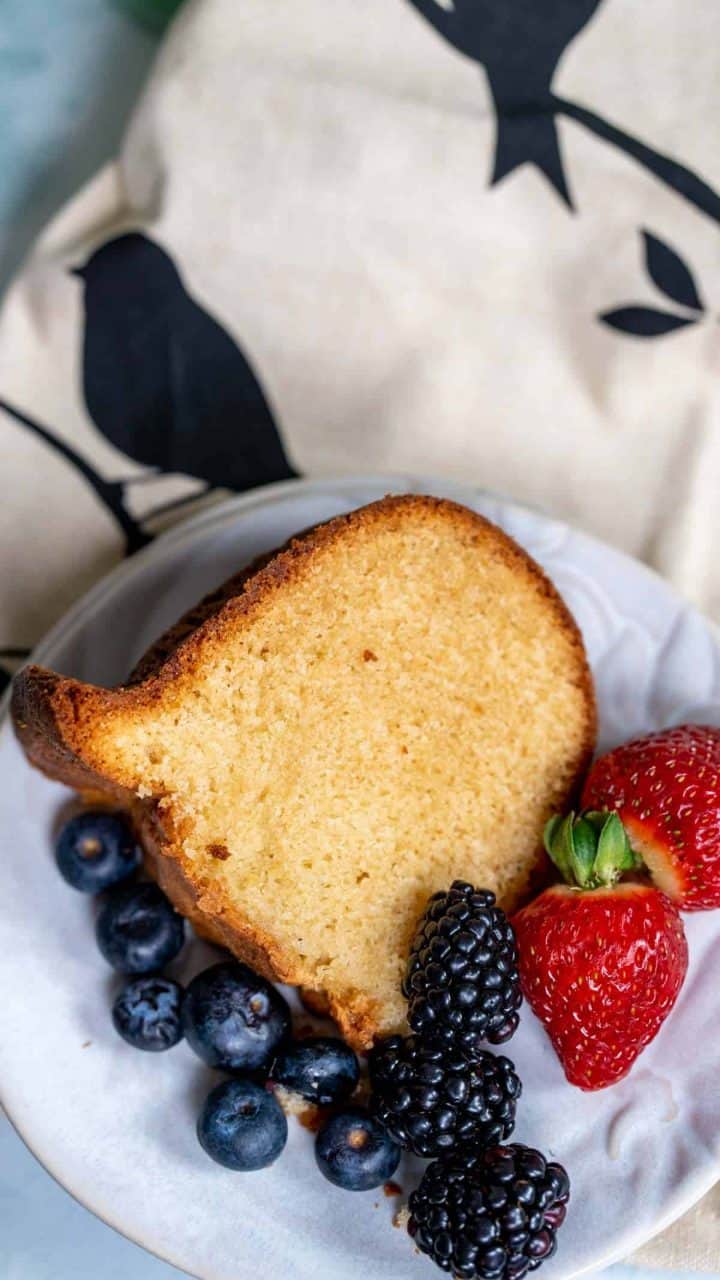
(601, 965)
(666, 789)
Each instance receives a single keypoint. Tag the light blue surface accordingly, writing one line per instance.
(45, 1235)
(69, 74)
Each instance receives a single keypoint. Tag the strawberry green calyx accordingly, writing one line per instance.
(590, 850)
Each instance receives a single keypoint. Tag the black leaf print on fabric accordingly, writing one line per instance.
(163, 381)
(672, 276)
(109, 492)
(644, 322)
(519, 43)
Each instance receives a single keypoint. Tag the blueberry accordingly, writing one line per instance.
(354, 1152)
(234, 1019)
(95, 850)
(137, 930)
(147, 1013)
(242, 1126)
(321, 1069)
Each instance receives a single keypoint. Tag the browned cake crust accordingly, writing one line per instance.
(53, 717)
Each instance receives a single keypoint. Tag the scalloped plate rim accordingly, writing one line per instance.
(216, 515)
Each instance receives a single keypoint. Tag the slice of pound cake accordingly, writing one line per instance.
(397, 699)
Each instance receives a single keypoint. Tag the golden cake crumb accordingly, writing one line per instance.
(346, 800)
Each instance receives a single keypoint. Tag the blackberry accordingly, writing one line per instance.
(491, 1214)
(429, 1099)
(462, 982)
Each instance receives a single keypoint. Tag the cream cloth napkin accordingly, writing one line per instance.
(477, 238)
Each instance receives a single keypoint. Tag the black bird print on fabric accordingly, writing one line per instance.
(673, 277)
(163, 381)
(520, 44)
(165, 384)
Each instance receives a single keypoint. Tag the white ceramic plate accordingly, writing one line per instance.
(116, 1127)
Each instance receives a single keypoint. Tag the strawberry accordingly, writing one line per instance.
(601, 963)
(666, 789)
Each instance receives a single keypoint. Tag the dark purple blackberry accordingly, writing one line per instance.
(462, 982)
(490, 1214)
(429, 1098)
